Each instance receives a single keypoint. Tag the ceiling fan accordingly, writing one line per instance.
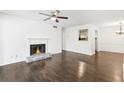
(54, 16)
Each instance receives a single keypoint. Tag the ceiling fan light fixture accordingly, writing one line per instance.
(53, 18)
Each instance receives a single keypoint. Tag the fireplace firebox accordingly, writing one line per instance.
(37, 49)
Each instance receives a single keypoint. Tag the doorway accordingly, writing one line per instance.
(96, 41)
(96, 45)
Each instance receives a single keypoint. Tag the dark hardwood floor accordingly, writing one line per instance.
(67, 67)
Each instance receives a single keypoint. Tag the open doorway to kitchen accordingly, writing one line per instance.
(96, 41)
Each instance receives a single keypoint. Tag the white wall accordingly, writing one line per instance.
(1, 39)
(71, 42)
(16, 30)
(109, 41)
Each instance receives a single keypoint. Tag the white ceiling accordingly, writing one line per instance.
(76, 17)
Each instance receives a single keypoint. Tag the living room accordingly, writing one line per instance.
(85, 46)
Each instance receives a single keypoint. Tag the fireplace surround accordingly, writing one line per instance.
(33, 43)
(37, 49)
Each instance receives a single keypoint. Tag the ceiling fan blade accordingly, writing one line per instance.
(45, 14)
(57, 20)
(47, 19)
(62, 17)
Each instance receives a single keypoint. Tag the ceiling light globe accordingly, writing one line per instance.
(53, 18)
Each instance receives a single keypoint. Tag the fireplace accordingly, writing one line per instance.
(37, 49)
